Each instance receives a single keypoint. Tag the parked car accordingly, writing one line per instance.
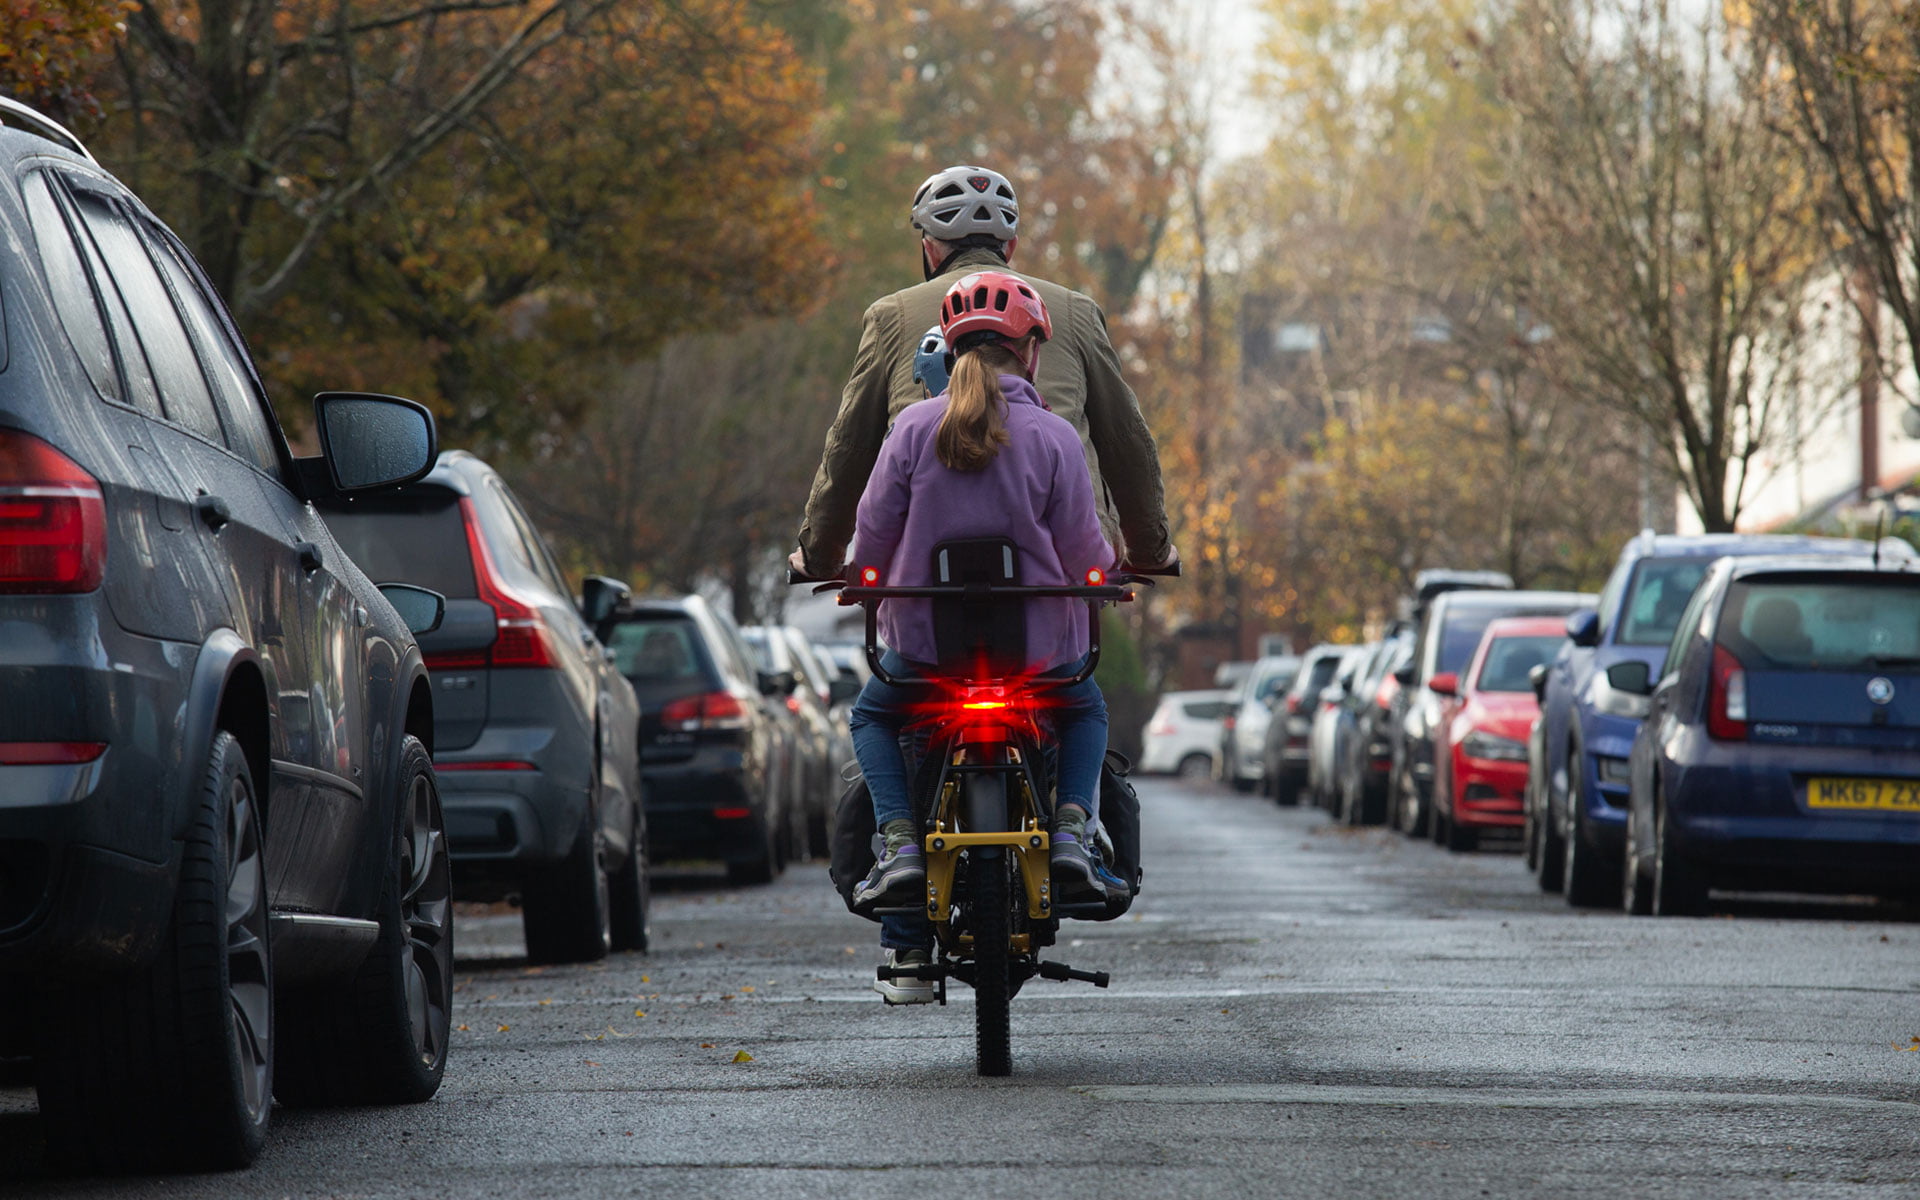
(535, 731)
(1183, 735)
(1483, 757)
(1228, 675)
(1576, 807)
(1283, 749)
(222, 867)
(713, 752)
(1781, 747)
(1243, 731)
(781, 651)
(1447, 639)
(1333, 724)
(1366, 760)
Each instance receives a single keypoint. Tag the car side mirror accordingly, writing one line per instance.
(369, 441)
(420, 608)
(843, 689)
(1537, 679)
(1634, 678)
(1583, 628)
(1446, 683)
(1404, 675)
(601, 597)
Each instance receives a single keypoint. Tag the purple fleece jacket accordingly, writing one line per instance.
(1035, 491)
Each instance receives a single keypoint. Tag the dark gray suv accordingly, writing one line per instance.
(223, 874)
(536, 733)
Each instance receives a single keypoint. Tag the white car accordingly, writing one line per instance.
(1184, 734)
(1244, 735)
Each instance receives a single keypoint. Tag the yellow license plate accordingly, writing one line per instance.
(1879, 795)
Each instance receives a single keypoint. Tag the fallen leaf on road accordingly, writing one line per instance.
(646, 979)
(638, 1013)
(590, 1062)
(743, 1056)
(746, 989)
(849, 950)
(706, 1045)
(544, 1003)
(503, 1029)
(463, 1029)
(728, 996)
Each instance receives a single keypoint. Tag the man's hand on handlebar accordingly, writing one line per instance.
(1170, 567)
(797, 572)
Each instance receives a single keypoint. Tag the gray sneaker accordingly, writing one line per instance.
(906, 991)
(1076, 878)
(899, 878)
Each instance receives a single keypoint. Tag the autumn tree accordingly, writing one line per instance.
(50, 51)
(1852, 73)
(1669, 227)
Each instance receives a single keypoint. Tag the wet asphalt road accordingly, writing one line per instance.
(1296, 1010)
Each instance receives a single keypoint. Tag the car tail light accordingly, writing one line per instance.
(793, 703)
(521, 637)
(1727, 698)
(1384, 697)
(1228, 722)
(1162, 726)
(460, 660)
(504, 764)
(1293, 705)
(53, 522)
(49, 754)
(713, 710)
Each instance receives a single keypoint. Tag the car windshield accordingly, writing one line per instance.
(655, 651)
(1851, 624)
(1661, 589)
(1460, 637)
(1509, 659)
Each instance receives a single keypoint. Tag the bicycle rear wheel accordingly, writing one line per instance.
(989, 902)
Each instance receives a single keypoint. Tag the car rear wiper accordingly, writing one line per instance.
(1894, 660)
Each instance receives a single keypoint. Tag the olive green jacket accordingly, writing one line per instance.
(1079, 379)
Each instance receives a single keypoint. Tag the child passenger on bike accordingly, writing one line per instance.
(986, 459)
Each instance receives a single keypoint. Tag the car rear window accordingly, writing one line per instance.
(418, 537)
(1661, 589)
(756, 640)
(1321, 673)
(1851, 624)
(664, 650)
(1206, 710)
(1510, 659)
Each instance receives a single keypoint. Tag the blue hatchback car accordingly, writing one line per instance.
(1576, 808)
(1781, 750)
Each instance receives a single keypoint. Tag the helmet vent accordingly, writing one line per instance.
(982, 214)
(1000, 301)
(979, 297)
(947, 192)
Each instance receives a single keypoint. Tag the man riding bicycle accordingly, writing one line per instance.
(968, 220)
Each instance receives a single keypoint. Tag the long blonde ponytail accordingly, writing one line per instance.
(975, 425)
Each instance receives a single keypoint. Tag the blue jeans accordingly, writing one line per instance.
(1078, 715)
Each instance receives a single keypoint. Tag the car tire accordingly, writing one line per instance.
(381, 1036)
(1636, 888)
(1585, 880)
(1679, 888)
(1411, 817)
(1553, 847)
(1286, 788)
(1195, 767)
(1460, 839)
(567, 910)
(173, 1069)
(630, 892)
(1529, 829)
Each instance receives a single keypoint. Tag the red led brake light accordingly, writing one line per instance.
(53, 522)
(1095, 577)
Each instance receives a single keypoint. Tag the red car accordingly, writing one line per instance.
(1483, 754)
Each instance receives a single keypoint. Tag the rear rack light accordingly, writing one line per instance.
(49, 754)
(521, 636)
(1727, 698)
(53, 521)
(709, 711)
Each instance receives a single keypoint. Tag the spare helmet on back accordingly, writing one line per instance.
(930, 361)
(992, 306)
(962, 201)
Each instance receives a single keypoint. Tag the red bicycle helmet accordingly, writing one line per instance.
(993, 302)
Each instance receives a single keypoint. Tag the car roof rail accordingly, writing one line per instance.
(16, 115)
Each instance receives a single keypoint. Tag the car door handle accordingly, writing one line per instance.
(309, 556)
(213, 511)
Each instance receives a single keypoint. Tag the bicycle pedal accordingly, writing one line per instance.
(1062, 973)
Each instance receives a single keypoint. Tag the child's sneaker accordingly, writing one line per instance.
(1076, 879)
(899, 878)
(906, 991)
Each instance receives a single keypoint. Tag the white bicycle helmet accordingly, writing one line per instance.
(962, 201)
(930, 361)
